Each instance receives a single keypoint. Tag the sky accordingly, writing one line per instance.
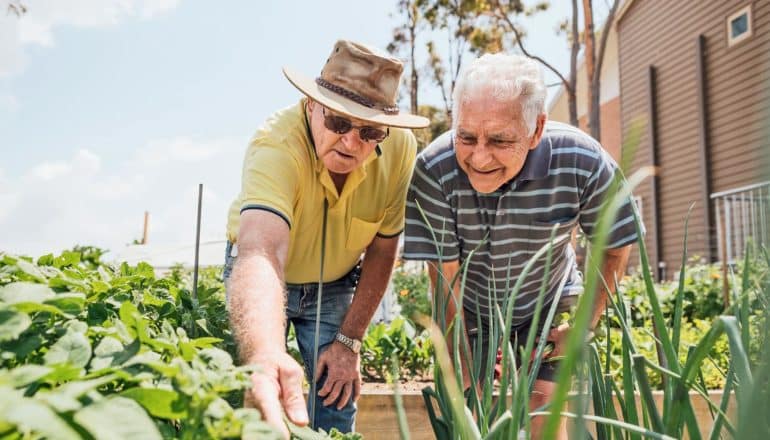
(110, 108)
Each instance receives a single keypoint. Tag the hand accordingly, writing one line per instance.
(277, 385)
(343, 377)
(558, 335)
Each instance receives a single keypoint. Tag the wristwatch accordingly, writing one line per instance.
(353, 344)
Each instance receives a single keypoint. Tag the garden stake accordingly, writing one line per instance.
(195, 265)
(311, 396)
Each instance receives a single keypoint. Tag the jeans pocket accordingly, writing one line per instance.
(294, 297)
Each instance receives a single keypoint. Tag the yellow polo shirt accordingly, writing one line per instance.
(282, 174)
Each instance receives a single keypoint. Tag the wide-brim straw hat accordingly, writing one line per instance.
(359, 82)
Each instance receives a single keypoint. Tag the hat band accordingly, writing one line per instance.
(366, 102)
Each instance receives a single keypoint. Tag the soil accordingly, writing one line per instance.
(411, 387)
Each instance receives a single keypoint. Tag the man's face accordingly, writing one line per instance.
(340, 153)
(491, 141)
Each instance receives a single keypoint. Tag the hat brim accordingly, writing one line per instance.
(349, 108)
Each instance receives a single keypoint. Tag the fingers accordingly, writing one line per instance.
(327, 388)
(340, 392)
(347, 391)
(356, 389)
(320, 367)
(265, 395)
(291, 394)
(277, 388)
(335, 392)
(343, 378)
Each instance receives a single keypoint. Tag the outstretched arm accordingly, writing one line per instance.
(257, 303)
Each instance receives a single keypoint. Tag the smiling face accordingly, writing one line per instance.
(340, 153)
(491, 140)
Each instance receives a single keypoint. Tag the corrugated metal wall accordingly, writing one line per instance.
(663, 34)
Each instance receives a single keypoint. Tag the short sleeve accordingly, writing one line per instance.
(270, 180)
(595, 191)
(430, 223)
(393, 222)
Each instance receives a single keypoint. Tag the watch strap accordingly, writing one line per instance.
(353, 344)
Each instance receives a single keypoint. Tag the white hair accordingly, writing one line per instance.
(505, 77)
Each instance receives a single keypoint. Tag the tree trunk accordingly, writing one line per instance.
(572, 89)
(412, 42)
(589, 56)
(596, 80)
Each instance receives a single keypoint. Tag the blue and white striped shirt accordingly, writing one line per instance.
(564, 181)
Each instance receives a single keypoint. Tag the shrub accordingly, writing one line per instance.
(90, 350)
(411, 349)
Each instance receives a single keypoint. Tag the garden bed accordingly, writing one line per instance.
(376, 419)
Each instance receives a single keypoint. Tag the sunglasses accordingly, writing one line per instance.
(341, 125)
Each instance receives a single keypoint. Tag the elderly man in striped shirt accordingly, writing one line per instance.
(497, 184)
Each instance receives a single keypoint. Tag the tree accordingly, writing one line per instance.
(502, 13)
(466, 27)
(594, 63)
(405, 36)
(438, 125)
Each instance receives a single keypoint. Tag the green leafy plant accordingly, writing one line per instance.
(91, 350)
(401, 341)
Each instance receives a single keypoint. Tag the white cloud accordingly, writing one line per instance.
(151, 8)
(83, 163)
(182, 149)
(81, 198)
(38, 24)
(50, 170)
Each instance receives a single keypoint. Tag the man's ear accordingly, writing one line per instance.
(539, 129)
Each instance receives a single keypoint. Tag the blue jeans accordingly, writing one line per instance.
(301, 307)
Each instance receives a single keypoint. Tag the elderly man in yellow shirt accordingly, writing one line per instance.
(324, 183)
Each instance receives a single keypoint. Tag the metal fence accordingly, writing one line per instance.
(742, 216)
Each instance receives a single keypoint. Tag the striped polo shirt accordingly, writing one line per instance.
(562, 184)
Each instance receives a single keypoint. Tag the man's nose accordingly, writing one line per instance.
(481, 155)
(351, 139)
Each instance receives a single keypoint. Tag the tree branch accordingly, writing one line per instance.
(603, 41)
(503, 16)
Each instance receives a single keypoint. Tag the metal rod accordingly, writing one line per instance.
(145, 230)
(728, 229)
(741, 189)
(720, 230)
(314, 383)
(197, 249)
(725, 284)
(753, 219)
(744, 229)
(761, 218)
